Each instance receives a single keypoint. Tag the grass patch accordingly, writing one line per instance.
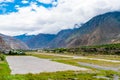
(64, 75)
(4, 68)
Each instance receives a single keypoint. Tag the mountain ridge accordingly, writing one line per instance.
(101, 29)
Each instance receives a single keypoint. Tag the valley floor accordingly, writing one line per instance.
(43, 66)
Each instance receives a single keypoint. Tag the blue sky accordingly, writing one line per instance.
(8, 7)
(49, 16)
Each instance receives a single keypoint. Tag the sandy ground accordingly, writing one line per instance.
(29, 64)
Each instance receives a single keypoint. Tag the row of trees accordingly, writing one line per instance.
(13, 52)
(113, 49)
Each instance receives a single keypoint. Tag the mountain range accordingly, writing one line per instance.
(101, 29)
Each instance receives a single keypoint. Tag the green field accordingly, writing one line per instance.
(92, 74)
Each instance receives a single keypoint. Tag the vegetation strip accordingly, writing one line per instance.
(80, 57)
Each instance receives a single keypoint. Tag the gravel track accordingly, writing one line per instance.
(30, 64)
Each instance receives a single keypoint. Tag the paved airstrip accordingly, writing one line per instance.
(30, 64)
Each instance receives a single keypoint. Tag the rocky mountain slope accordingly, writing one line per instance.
(102, 29)
(7, 42)
(60, 39)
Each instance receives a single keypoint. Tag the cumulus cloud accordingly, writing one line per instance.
(35, 19)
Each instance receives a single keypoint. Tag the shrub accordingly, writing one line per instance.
(16, 52)
(2, 57)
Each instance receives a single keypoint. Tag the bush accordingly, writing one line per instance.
(2, 57)
(16, 52)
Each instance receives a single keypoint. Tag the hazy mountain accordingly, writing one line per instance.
(7, 42)
(36, 41)
(40, 41)
(102, 29)
(25, 38)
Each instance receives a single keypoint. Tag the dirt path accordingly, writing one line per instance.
(29, 64)
(80, 57)
(98, 67)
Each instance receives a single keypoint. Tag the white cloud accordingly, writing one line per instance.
(63, 16)
(53, 2)
(6, 1)
(45, 1)
(25, 1)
